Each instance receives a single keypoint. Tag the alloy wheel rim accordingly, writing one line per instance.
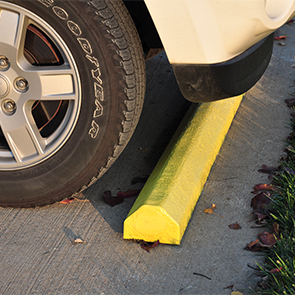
(40, 98)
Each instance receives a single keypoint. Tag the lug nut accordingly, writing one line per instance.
(4, 63)
(21, 84)
(9, 107)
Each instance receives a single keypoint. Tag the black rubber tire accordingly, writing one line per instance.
(95, 142)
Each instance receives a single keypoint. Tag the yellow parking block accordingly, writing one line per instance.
(165, 204)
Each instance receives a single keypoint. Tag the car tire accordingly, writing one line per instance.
(72, 84)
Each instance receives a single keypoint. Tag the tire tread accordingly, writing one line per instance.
(128, 47)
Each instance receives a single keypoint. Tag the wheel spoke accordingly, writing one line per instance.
(13, 28)
(58, 87)
(55, 83)
(22, 135)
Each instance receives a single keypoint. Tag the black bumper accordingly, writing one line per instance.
(205, 83)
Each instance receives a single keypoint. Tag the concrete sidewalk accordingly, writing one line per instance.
(37, 256)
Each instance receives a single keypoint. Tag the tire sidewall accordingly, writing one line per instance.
(99, 116)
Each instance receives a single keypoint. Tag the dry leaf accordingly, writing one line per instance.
(210, 210)
(67, 201)
(260, 200)
(236, 293)
(113, 201)
(254, 246)
(268, 170)
(267, 239)
(280, 38)
(264, 187)
(275, 229)
(78, 241)
(235, 226)
(259, 204)
(147, 246)
(259, 223)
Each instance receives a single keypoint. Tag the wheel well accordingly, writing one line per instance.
(145, 26)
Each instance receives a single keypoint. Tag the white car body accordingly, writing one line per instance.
(214, 31)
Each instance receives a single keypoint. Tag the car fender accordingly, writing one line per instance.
(214, 31)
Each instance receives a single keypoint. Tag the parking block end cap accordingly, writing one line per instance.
(152, 223)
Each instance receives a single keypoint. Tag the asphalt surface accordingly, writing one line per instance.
(36, 250)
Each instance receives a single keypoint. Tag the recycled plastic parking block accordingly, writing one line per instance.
(164, 207)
